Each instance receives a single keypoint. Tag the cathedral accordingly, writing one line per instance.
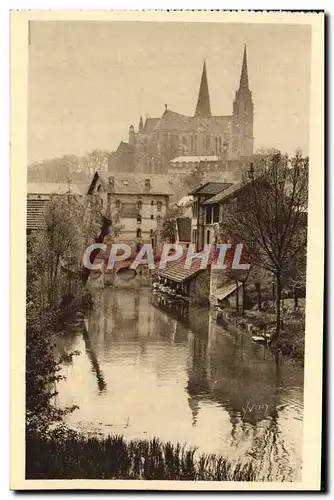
(159, 140)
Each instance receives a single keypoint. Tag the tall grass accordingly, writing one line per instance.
(114, 458)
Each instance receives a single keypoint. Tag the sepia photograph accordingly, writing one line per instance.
(171, 196)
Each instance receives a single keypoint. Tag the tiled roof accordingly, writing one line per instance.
(224, 195)
(36, 213)
(51, 188)
(224, 292)
(183, 225)
(175, 271)
(135, 183)
(211, 188)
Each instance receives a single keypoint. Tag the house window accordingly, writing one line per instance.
(152, 203)
(139, 219)
(208, 214)
(152, 217)
(109, 198)
(139, 204)
(195, 209)
(208, 237)
(158, 219)
(159, 205)
(215, 213)
(139, 233)
(151, 233)
(117, 204)
(207, 143)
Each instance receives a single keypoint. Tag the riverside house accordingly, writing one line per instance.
(135, 204)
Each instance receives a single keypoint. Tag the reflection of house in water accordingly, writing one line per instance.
(232, 372)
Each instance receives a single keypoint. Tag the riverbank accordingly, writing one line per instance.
(79, 457)
(291, 343)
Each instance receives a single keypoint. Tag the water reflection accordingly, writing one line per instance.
(148, 368)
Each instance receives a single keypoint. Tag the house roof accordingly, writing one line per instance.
(36, 213)
(211, 188)
(194, 159)
(134, 183)
(175, 271)
(52, 188)
(224, 292)
(231, 191)
(183, 225)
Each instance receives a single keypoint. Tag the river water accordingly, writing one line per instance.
(147, 369)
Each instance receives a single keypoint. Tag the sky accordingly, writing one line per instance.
(88, 81)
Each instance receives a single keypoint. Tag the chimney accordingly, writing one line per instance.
(147, 184)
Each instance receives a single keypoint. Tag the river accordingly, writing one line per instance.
(146, 369)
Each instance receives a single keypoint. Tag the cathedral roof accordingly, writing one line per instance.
(171, 121)
(150, 124)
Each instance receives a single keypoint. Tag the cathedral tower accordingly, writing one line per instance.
(203, 107)
(243, 115)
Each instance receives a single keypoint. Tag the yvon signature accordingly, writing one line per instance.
(256, 408)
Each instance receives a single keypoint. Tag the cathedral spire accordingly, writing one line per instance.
(203, 107)
(140, 126)
(244, 72)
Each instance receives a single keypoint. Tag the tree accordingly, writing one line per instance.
(96, 161)
(269, 218)
(168, 231)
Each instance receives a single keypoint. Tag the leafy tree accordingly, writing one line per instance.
(168, 231)
(269, 218)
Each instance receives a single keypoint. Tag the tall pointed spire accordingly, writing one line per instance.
(244, 72)
(140, 126)
(203, 107)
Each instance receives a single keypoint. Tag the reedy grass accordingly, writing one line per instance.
(112, 457)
